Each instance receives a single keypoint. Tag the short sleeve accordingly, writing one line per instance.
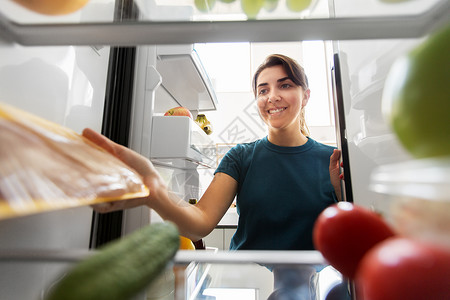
(231, 163)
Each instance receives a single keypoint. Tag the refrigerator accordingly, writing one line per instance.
(117, 66)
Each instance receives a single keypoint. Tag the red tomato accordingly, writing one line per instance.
(401, 268)
(344, 232)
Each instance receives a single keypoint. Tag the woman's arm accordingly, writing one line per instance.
(196, 221)
(335, 173)
(193, 221)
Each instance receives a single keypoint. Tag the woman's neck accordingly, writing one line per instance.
(287, 138)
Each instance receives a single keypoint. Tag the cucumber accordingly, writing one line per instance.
(122, 268)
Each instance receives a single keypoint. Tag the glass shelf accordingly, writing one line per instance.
(197, 274)
(180, 22)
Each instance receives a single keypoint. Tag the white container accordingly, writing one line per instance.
(420, 194)
(177, 141)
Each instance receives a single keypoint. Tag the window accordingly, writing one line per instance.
(230, 67)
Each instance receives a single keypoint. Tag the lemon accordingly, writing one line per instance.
(416, 97)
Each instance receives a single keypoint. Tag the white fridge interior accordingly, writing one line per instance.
(56, 67)
(65, 85)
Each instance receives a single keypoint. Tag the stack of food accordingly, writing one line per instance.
(44, 166)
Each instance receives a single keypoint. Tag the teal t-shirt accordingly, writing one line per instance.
(281, 191)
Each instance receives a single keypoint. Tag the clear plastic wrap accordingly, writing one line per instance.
(45, 166)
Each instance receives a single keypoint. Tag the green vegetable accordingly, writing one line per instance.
(416, 97)
(122, 268)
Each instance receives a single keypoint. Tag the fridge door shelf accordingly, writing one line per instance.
(411, 19)
(185, 78)
(178, 142)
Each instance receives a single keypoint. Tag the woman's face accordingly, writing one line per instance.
(279, 99)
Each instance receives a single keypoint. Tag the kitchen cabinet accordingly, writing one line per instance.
(215, 239)
(220, 237)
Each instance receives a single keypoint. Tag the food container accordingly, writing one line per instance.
(419, 194)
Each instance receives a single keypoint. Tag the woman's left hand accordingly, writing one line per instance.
(335, 172)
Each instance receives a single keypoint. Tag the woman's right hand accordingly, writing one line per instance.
(193, 221)
(139, 163)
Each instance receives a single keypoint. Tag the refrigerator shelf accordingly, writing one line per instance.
(194, 274)
(44, 255)
(185, 78)
(170, 29)
(183, 257)
(268, 257)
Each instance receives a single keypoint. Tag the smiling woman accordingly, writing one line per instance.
(287, 158)
(287, 167)
(280, 182)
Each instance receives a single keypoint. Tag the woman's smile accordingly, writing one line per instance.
(276, 111)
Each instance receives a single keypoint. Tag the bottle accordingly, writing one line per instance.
(200, 244)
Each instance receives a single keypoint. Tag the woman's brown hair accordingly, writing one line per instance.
(294, 71)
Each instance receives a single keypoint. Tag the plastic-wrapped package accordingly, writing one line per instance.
(44, 166)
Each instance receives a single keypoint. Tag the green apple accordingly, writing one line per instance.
(251, 7)
(298, 5)
(416, 97)
(204, 5)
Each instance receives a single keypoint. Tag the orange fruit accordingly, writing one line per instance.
(186, 244)
(53, 7)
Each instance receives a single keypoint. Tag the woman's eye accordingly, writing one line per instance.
(262, 92)
(285, 86)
